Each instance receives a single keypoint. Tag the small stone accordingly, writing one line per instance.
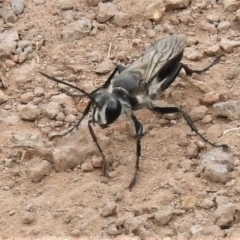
(121, 19)
(38, 91)
(24, 43)
(221, 200)
(207, 119)
(154, 11)
(232, 73)
(163, 216)
(196, 229)
(104, 67)
(3, 97)
(214, 131)
(192, 151)
(22, 57)
(198, 113)
(87, 166)
(17, 6)
(66, 4)
(8, 15)
(97, 162)
(151, 33)
(217, 173)
(76, 233)
(106, 11)
(231, 5)
(189, 202)
(224, 216)
(176, 4)
(191, 54)
(206, 26)
(183, 140)
(60, 116)
(9, 63)
(228, 45)
(112, 230)
(109, 209)
(26, 97)
(210, 98)
(38, 172)
(186, 164)
(29, 112)
(95, 2)
(53, 109)
(223, 25)
(206, 203)
(132, 224)
(28, 218)
(70, 118)
(213, 50)
(12, 213)
(38, 2)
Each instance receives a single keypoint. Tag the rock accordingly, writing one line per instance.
(231, 5)
(189, 202)
(38, 2)
(8, 43)
(9, 63)
(191, 151)
(224, 216)
(163, 216)
(221, 200)
(112, 230)
(29, 112)
(229, 109)
(38, 91)
(70, 118)
(106, 11)
(154, 11)
(3, 97)
(27, 140)
(213, 17)
(186, 164)
(87, 166)
(104, 67)
(207, 203)
(207, 119)
(176, 4)
(77, 30)
(109, 209)
(24, 44)
(213, 50)
(232, 73)
(66, 4)
(210, 98)
(8, 14)
(22, 57)
(196, 229)
(53, 109)
(224, 25)
(191, 54)
(151, 33)
(132, 224)
(183, 140)
(121, 19)
(95, 2)
(17, 6)
(228, 45)
(206, 26)
(26, 97)
(97, 162)
(198, 113)
(28, 218)
(217, 173)
(38, 172)
(60, 116)
(217, 156)
(214, 131)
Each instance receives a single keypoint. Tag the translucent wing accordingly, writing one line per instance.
(157, 55)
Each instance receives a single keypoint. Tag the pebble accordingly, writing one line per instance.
(60, 116)
(224, 25)
(198, 113)
(176, 4)
(104, 67)
(196, 229)
(192, 151)
(214, 131)
(38, 91)
(231, 5)
(228, 45)
(95, 2)
(87, 166)
(210, 98)
(151, 33)
(97, 162)
(38, 172)
(9, 63)
(24, 43)
(17, 6)
(28, 218)
(76, 30)
(221, 200)
(213, 50)
(70, 118)
(154, 11)
(22, 57)
(121, 19)
(8, 15)
(189, 202)
(3, 97)
(186, 164)
(66, 4)
(109, 209)
(163, 216)
(232, 73)
(106, 11)
(29, 112)
(191, 54)
(217, 173)
(112, 230)
(207, 203)
(53, 109)
(26, 97)
(132, 224)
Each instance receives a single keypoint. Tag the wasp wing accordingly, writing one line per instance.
(157, 55)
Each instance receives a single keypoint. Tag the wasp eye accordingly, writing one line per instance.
(113, 111)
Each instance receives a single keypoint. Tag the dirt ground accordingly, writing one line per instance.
(69, 204)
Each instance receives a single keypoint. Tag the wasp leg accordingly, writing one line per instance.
(191, 71)
(139, 129)
(104, 168)
(85, 112)
(164, 110)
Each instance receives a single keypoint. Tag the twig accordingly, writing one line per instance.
(109, 50)
(231, 130)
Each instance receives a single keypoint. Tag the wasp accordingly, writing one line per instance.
(135, 86)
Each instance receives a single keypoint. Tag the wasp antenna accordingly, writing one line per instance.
(70, 85)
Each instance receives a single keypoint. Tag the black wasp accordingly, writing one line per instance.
(134, 87)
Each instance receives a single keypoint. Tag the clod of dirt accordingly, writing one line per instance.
(112, 230)
(206, 203)
(109, 209)
(95, 2)
(29, 112)
(163, 216)
(9, 63)
(214, 132)
(26, 97)
(154, 11)
(28, 218)
(232, 73)
(223, 25)
(217, 173)
(53, 109)
(231, 5)
(22, 57)
(229, 109)
(224, 215)
(70, 118)
(8, 43)
(76, 30)
(198, 113)
(38, 172)
(221, 200)
(38, 91)
(121, 19)
(176, 4)
(8, 15)
(210, 98)
(192, 54)
(106, 11)
(3, 97)
(66, 4)
(189, 202)
(228, 45)
(27, 140)
(132, 224)
(97, 162)
(208, 27)
(17, 6)
(104, 67)
(192, 151)
(87, 166)
(213, 50)
(196, 230)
